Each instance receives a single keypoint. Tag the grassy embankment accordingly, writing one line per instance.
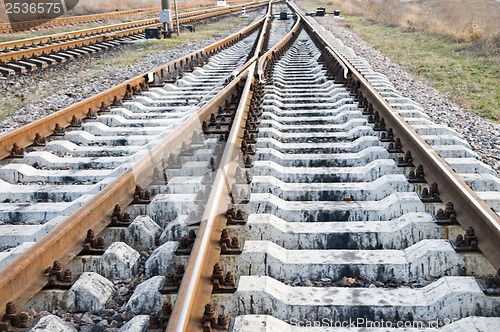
(454, 45)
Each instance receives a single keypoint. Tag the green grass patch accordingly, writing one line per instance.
(9, 107)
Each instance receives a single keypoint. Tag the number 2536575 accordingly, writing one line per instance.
(29, 7)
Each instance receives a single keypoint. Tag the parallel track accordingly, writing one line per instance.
(19, 56)
(305, 159)
(70, 20)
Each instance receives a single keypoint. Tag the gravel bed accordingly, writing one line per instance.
(114, 316)
(71, 87)
(482, 134)
(362, 282)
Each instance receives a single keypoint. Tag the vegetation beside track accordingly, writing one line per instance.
(458, 57)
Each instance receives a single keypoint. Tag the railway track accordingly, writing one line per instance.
(72, 20)
(20, 56)
(276, 193)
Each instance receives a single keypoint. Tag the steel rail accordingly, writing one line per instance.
(23, 277)
(471, 209)
(266, 56)
(112, 27)
(9, 45)
(196, 285)
(67, 20)
(80, 42)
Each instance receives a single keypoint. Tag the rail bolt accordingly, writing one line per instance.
(39, 140)
(169, 279)
(191, 237)
(229, 280)
(224, 238)
(208, 318)
(183, 244)
(16, 151)
(24, 320)
(75, 122)
(222, 322)
(58, 130)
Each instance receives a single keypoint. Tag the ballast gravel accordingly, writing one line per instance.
(482, 134)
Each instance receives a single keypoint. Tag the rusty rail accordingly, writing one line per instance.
(67, 20)
(17, 282)
(32, 47)
(471, 210)
(196, 285)
(266, 56)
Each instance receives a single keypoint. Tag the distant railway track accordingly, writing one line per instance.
(291, 184)
(20, 56)
(70, 20)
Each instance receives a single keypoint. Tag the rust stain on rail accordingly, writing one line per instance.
(196, 286)
(21, 26)
(67, 20)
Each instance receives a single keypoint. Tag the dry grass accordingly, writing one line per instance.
(453, 45)
(468, 21)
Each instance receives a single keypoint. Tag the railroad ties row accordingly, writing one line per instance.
(47, 184)
(278, 26)
(40, 62)
(337, 225)
(57, 177)
(143, 264)
(32, 59)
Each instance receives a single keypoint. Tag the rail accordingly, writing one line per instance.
(195, 289)
(21, 26)
(17, 282)
(25, 135)
(196, 286)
